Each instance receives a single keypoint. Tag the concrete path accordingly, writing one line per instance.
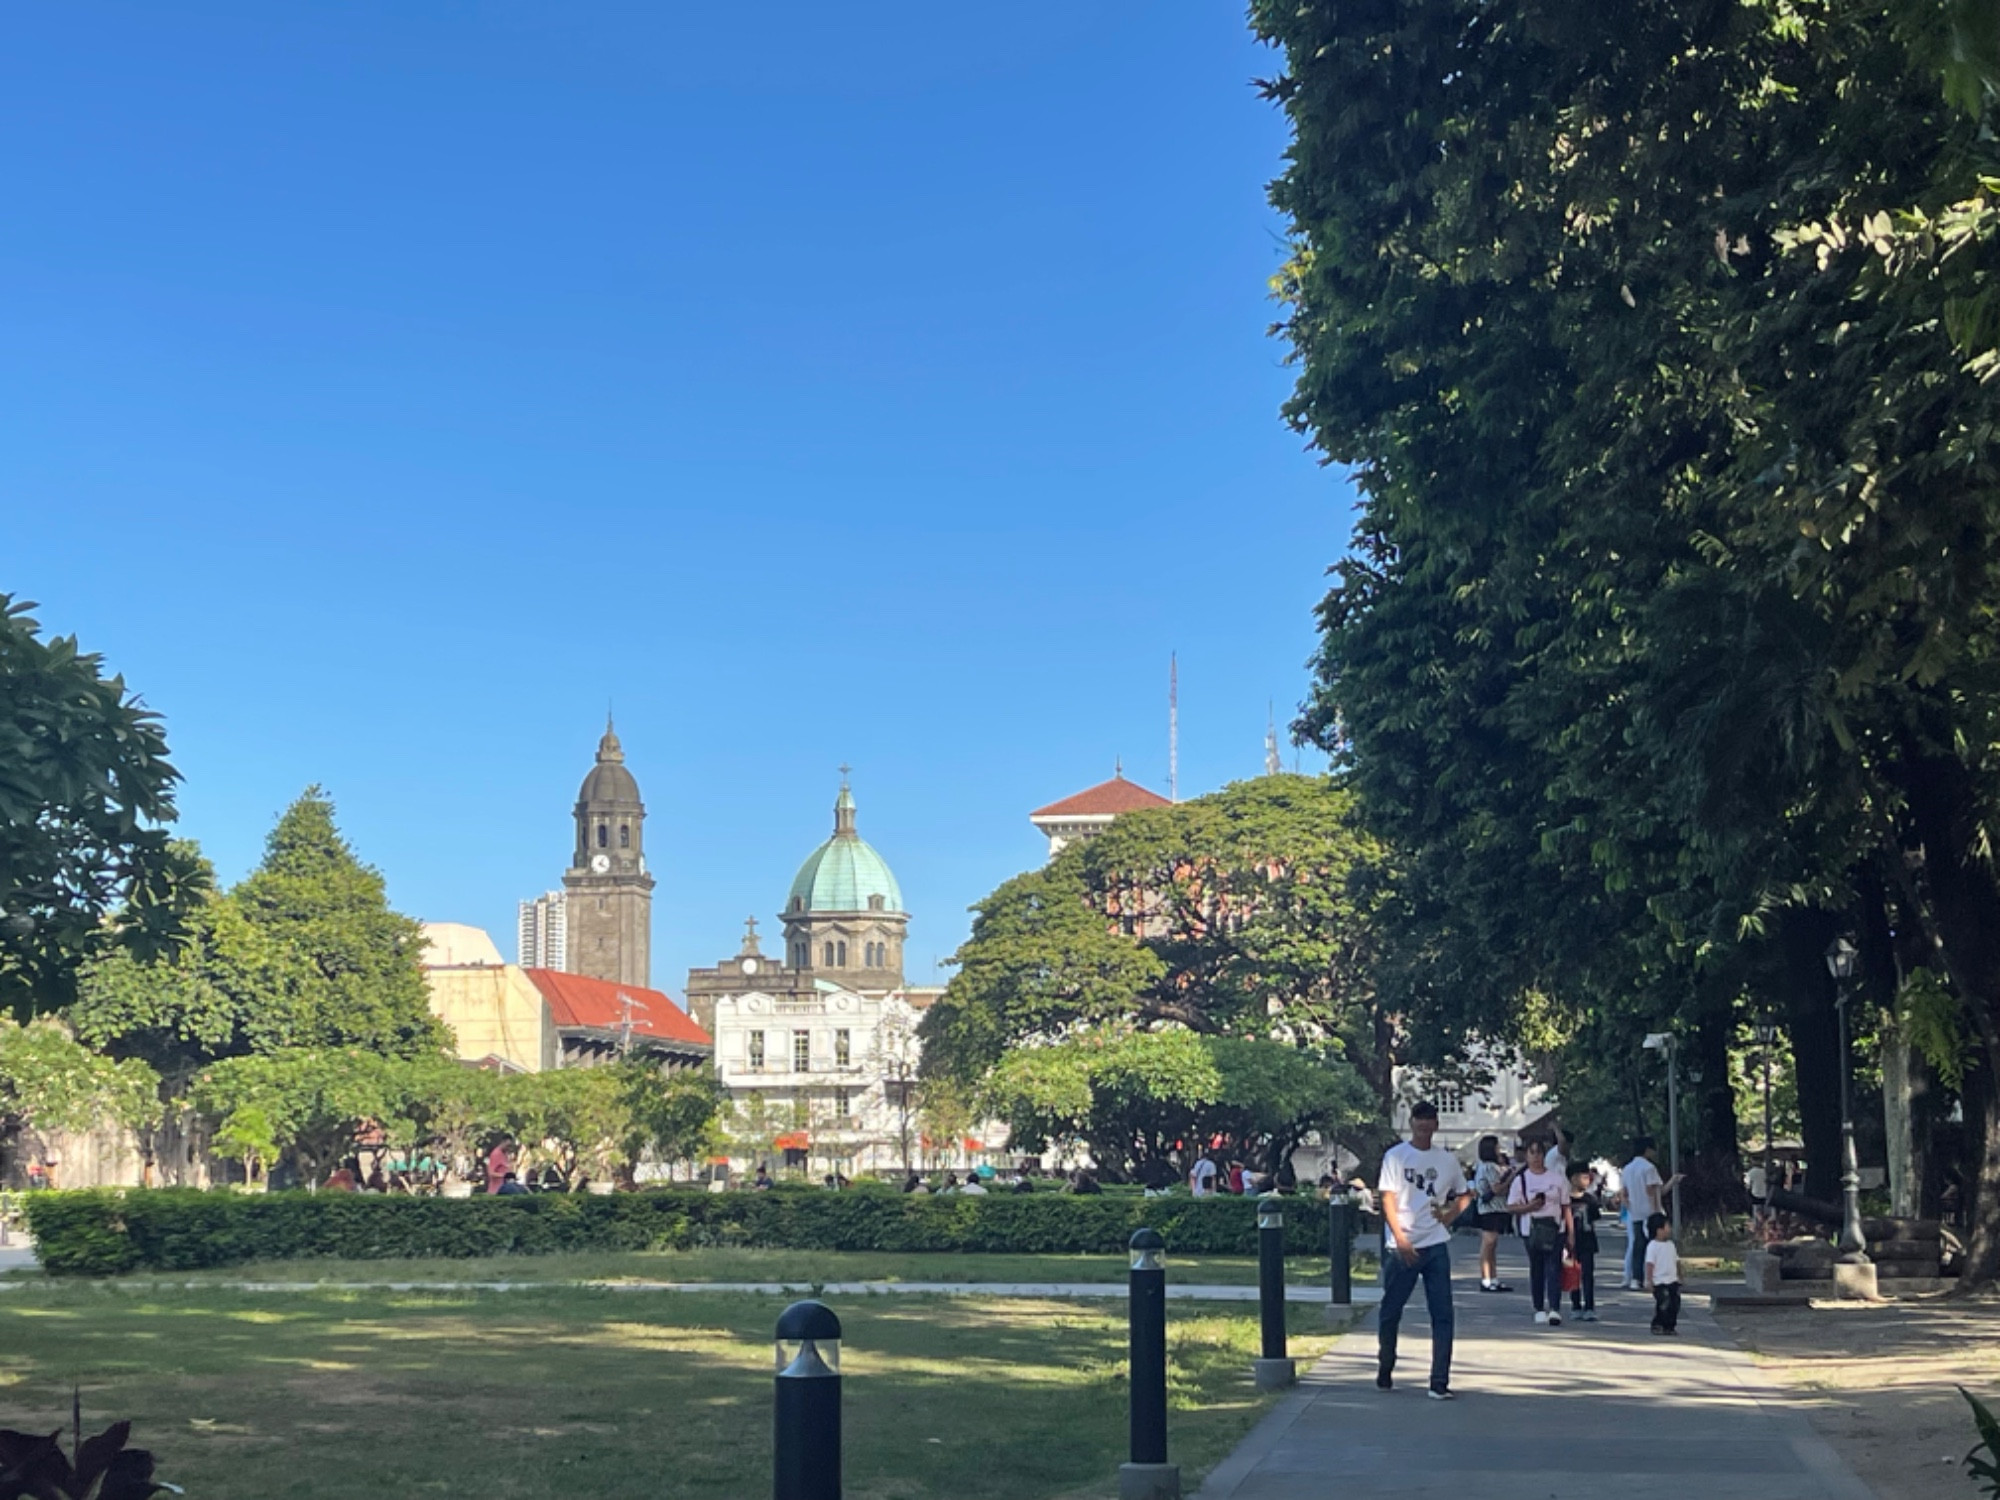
(1585, 1408)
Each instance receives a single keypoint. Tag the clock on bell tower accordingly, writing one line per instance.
(608, 893)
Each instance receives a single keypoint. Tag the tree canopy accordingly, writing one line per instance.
(1658, 340)
(359, 983)
(1108, 995)
(86, 790)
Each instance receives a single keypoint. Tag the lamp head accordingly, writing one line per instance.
(1840, 957)
(1658, 1041)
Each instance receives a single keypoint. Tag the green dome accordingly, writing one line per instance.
(845, 873)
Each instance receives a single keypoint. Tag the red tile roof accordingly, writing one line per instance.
(1106, 799)
(577, 1000)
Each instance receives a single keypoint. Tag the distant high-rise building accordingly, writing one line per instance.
(544, 932)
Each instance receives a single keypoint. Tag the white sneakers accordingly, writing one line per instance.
(1633, 1286)
(1555, 1320)
(1541, 1317)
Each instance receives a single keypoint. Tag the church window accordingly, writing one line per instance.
(603, 836)
(624, 835)
(802, 1051)
(756, 1051)
(841, 949)
(843, 1049)
(827, 956)
(875, 903)
(798, 903)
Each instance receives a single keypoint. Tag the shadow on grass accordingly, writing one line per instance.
(332, 1395)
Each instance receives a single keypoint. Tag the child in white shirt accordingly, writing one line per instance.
(1663, 1274)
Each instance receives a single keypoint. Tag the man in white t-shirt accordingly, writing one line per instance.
(1645, 1195)
(1201, 1177)
(1423, 1190)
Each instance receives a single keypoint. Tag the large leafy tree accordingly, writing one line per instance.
(1247, 912)
(85, 793)
(1657, 338)
(1140, 1100)
(360, 983)
(231, 988)
(49, 1081)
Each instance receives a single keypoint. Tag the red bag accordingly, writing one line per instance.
(1572, 1274)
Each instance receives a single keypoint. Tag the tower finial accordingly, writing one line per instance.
(843, 807)
(1118, 768)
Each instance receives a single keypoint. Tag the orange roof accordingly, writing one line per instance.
(578, 1000)
(1105, 800)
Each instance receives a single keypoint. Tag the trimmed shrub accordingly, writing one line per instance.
(105, 1233)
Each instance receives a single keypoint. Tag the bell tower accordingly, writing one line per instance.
(608, 895)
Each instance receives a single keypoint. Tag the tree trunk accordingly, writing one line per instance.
(1898, 1124)
(1805, 992)
(1963, 902)
(1714, 1168)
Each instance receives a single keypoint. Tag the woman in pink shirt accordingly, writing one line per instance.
(1540, 1197)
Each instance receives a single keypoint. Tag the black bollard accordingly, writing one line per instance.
(1340, 1247)
(806, 1420)
(1149, 1476)
(1273, 1371)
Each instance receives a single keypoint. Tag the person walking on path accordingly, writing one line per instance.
(1663, 1274)
(1645, 1195)
(1490, 1181)
(1423, 1190)
(1540, 1195)
(1201, 1176)
(1585, 1208)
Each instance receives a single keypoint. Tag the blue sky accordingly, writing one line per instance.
(385, 387)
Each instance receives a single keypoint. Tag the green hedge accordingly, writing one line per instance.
(103, 1233)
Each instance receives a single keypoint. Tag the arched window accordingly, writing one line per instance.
(624, 835)
(842, 948)
(829, 955)
(798, 903)
(876, 903)
(603, 836)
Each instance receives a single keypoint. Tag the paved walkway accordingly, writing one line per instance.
(1585, 1408)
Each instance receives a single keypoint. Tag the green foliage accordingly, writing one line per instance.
(103, 1233)
(315, 1103)
(248, 1136)
(1094, 994)
(1135, 1096)
(232, 987)
(1983, 1462)
(1659, 340)
(670, 1117)
(85, 787)
(360, 983)
(52, 1082)
(33, 1466)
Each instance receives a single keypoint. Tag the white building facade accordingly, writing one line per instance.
(823, 1080)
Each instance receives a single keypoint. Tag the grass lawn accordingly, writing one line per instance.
(791, 1267)
(568, 1392)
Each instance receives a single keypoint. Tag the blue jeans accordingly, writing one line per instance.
(1433, 1268)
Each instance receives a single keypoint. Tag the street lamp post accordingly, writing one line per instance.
(1840, 961)
(1663, 1041)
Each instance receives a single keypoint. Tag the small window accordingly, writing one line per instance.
(802, 1051)
(603, 836)
(841, 949)
(757, 1050)
(843, 1050)
(826, 956)
(875, 903)
(840, 1102)
(624, 836)
(798, 903)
